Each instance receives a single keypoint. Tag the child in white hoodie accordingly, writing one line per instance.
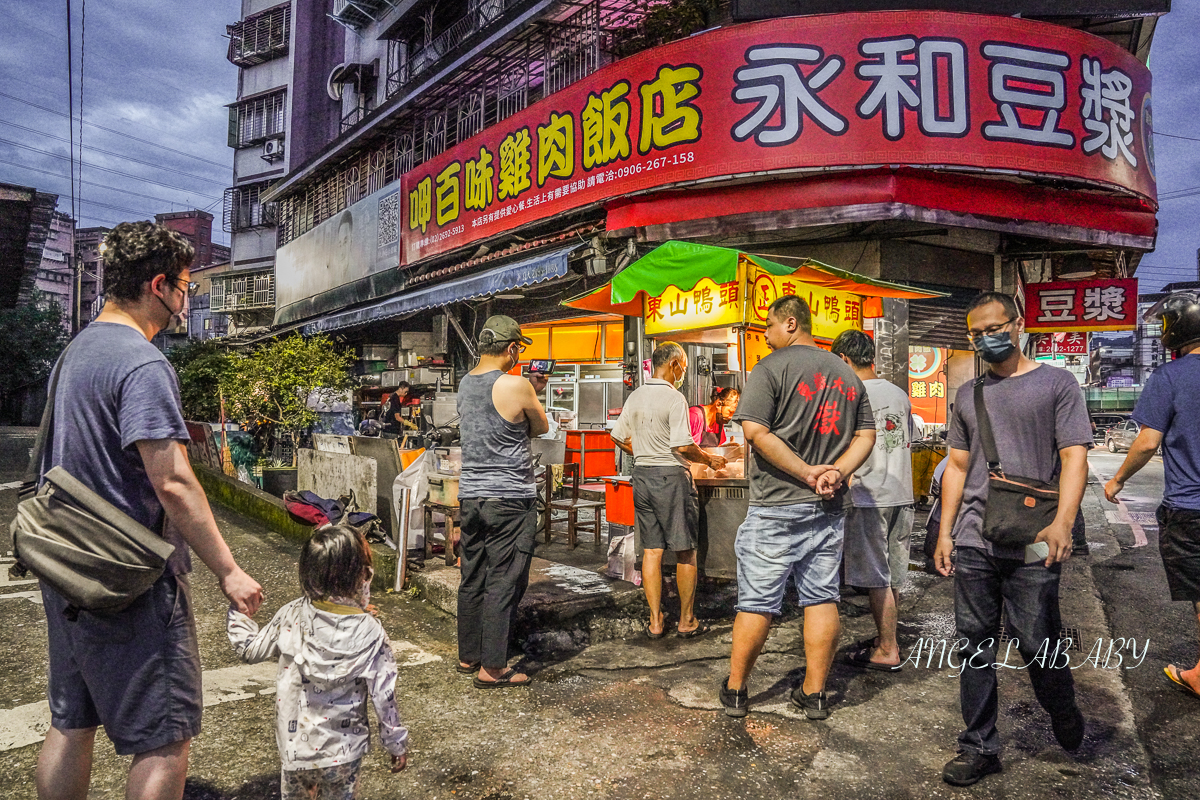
(332, 653)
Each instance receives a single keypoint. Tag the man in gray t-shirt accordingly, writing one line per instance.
(118, 429)
(1042, 432)
(653, 428)
(808, 421)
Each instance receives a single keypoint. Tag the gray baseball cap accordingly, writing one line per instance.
(500, 328)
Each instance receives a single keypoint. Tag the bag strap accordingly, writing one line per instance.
(985, 429)
(34, 472)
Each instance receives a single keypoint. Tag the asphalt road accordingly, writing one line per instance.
(1136, 600)
(631, 719)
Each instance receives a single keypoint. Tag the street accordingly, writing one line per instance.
(1136, 601)
(639, 719)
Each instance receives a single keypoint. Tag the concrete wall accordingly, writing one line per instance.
(335, 474)
(270, 512)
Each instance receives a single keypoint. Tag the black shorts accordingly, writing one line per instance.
(136, 672)
(667, 508)
(1179, 544)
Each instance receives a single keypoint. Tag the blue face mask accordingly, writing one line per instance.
(995, 347)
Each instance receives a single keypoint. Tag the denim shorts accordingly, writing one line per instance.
(802, 541)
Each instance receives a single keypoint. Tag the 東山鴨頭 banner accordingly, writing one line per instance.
(929, 89)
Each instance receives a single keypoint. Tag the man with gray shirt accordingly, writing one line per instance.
(1042, 431)
(879, 516)
(653, 428)
(497, 500)
(118, 429)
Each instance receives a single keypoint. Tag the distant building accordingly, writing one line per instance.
(283, 116)
(56, 274)
(87, 251)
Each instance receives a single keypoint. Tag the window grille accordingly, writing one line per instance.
(216, 296)
(244, 211)
(260, 37)
(261, 118)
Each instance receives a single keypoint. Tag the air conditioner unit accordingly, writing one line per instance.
(272, 150)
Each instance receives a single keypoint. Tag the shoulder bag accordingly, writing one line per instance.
(1017, 508)
(89, 551)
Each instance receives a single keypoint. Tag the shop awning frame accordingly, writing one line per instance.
(684, 264)
(528, 272)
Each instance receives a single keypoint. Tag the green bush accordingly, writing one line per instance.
(272, 383)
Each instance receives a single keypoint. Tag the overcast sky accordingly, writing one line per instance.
(157, 71)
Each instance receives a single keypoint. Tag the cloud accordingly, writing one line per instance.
(153, 70)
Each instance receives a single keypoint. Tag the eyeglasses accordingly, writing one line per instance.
(972, 336)
(188, 287)
(520, 346)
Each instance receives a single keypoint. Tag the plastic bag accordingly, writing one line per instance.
(409, 491)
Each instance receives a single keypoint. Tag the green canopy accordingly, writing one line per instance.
(684, 264)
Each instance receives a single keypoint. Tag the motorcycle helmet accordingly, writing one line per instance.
(1180, 316)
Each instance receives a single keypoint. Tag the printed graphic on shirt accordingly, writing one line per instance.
(890, 429)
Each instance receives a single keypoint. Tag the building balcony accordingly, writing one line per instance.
(260, 37)
(358, 14)
(247, 291)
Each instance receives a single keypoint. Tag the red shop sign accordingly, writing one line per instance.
(1063, 344)
(1099, 305)
(842, 90)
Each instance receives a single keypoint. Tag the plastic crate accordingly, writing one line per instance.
(618, 501)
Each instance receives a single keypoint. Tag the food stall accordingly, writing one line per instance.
(688, 292)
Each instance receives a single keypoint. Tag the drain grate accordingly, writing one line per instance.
(1064, 633)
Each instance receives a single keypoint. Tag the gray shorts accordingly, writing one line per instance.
(667, 508)
(877, 544)
(136, 672)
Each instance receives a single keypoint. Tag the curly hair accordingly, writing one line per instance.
(135, 252)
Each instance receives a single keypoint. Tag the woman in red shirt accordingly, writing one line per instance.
(708, 422)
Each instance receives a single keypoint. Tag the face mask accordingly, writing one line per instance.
(679, 382)
(177, 317)
(364, 594)
(995, 347)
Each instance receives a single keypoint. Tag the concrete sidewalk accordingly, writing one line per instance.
(893, 730)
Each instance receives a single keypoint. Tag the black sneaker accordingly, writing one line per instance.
(737, 704)
(1068, 729)
(814, 706)
(969, 767)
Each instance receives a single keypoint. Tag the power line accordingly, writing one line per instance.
(116, 132)
(97, 185)
(1174, 136)
(107, 169)
(110, 153)
(82, 44)
(71, 110)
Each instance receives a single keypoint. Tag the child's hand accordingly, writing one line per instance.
(399, 763)
(374, 612)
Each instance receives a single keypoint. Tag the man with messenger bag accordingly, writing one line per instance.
(110, 462)
(1015, 475)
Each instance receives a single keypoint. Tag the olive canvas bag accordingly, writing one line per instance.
(1017, 508)
(89, 551)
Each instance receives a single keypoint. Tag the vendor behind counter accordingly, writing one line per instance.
(708, 422)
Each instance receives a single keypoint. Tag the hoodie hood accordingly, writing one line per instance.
(327, 645)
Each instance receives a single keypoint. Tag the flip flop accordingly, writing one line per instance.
(1175, 678)
(699, 630)
(467, 670)
(652, 635)
(861, 658)
(505, 681)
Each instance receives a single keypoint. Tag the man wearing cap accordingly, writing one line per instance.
(1166, 412)
(497, 500)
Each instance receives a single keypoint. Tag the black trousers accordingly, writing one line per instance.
(983, 585)
(497, 547)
